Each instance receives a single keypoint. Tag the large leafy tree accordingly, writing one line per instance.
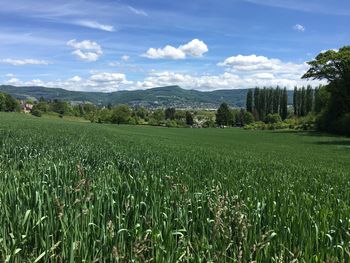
(330, 65)
(334, 66)
(121, 114)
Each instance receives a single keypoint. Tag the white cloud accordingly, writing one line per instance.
(86, 56)
(86, 50)
(75, 79)
(125, 58)
(13, 81)
(253, 64)
(299, 27)
(137, 11)
(22, 62)
(94, 25)
(264, 76)
(166, 52)
(195, 48)
(249, 63)
(86, 44)
(110, 77)
(35, 82)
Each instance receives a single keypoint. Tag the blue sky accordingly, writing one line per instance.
(110, 45)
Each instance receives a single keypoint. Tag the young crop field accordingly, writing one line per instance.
(82, 192)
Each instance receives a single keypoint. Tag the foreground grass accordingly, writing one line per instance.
(81, 192)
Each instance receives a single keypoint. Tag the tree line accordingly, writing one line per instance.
(120, 114)
(264, 102)
(309, 101)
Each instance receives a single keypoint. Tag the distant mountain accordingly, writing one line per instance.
(170, 96)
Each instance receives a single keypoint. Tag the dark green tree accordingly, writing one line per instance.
(322, 97)
(8, 103)
(189, 118)
(256, 103)
(141, 112)
(309, 100)
(121, 114)
(60, 107)
(262, 104)
(269, 100)
(247, 117)
(303, 102)
(223, 115)
(158, 115)
(284, 104)
(2, 102)
(295, 101)
(276, 100)
(170, 114)
(249, 103)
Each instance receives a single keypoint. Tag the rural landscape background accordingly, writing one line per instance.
(165, 131)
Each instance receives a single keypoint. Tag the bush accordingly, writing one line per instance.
(248, 118)
(153, 122)
(36, 112)
(258, 125)
(273, 118)
(133, 121)
(171, 123)
(209, 124)
(306, 123)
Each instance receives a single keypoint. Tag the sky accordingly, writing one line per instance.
(112, 45)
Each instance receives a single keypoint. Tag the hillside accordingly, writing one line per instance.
(170, 96)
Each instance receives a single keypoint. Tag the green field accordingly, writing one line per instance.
(81, 192)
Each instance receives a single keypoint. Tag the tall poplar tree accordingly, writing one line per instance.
(249, 103)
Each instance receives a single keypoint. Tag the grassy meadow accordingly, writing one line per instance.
(82, 192)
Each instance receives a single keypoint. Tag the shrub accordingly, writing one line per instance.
(258, 125)
(36, 112)
(248, 118)
(273, 118)
(209, 124)
(171, 123)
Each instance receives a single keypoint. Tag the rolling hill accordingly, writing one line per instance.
(170, 96)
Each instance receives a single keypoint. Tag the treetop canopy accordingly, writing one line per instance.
(330, 65)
